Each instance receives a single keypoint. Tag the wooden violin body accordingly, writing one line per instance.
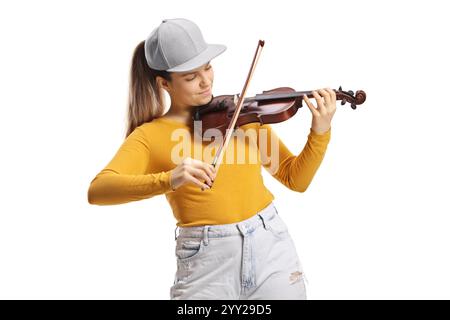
(272, 106)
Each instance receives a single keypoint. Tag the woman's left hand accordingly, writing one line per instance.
(325, 110)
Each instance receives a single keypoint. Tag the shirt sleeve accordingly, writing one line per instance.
(295, 172)
(126, 178)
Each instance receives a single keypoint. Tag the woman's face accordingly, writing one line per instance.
(186, 88)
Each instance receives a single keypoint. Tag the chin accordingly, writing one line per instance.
(204, 100)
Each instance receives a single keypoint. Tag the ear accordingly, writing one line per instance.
(162, 83)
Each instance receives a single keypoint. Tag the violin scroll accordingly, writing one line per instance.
(348, 96)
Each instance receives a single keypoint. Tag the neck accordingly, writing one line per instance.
(183, 115)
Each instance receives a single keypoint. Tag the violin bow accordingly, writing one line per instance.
(219, 155)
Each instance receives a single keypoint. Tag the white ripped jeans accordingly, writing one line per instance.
(252, 259)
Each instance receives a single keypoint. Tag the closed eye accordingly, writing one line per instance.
(209, 67)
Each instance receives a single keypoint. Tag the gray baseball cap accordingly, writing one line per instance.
(177, 45)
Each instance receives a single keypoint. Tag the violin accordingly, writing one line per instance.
(271, 106)
(227, 112)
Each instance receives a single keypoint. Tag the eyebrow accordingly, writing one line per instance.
(187, 74)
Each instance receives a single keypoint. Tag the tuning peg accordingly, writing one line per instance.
(353, 106)
(340, 88)
(342, 102)
(351, 92)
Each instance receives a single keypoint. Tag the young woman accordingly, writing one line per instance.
(232, 243)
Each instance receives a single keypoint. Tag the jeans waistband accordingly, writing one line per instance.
(223, 230)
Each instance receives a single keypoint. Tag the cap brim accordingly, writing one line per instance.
(212, 51)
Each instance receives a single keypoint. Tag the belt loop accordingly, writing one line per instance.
(266, 215)
(263, 221)
(176, 233)
(205, 235)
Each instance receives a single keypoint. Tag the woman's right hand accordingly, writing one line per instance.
(193, 171)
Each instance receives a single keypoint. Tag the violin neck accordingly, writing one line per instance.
(345, 96)
(279, 96)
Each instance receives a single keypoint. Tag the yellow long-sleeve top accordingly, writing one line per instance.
(141, 168)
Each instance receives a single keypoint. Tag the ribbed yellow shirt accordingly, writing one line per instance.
(140, 169)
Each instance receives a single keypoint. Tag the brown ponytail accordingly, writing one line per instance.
(145, 101)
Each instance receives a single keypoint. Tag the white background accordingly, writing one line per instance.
(374, 222)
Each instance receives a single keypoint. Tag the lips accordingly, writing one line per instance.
(206, 92)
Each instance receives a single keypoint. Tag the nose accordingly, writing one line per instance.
(205, 82)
